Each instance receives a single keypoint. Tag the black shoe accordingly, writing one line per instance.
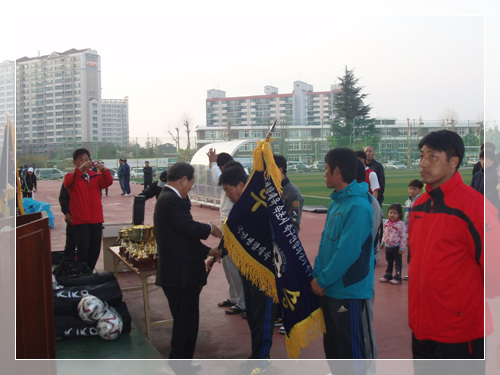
(226, 303)
(234, 310)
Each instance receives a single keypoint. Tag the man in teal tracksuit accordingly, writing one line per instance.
(343, 269)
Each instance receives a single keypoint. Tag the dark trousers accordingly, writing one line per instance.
(393, 257)
(70, 247)
(440, 353)
(126, 185)
(428, 349)
(347, 322)
(148, 182)
(261, 314)
(184, 306)
(27, 194)
(88, 239)
(122, 185)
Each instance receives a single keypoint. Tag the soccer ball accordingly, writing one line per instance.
(91, 308)
(110, 325)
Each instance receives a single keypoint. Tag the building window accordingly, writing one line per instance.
(244, 134)
(294, 146)
(210, 134)
(402, 145)
(307, 146)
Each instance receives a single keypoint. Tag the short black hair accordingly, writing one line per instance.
(233, 163)
(281, 162)
(233, 176)
(223, 158)
(446, 141)
(80, 151)
(346, 160)
(416, 183)
(396, 207)
(360, 154)
(179, 170)
(481, 155)
(360, 172)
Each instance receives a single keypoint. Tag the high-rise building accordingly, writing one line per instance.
(301, 107)
(7, 89)
(7, 94)
(59, 105)
(114, 115)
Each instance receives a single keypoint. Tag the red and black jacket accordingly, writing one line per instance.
(446, 272)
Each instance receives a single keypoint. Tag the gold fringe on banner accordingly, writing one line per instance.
(249, 267)
(304, 333)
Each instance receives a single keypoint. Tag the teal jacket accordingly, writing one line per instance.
(344, 265)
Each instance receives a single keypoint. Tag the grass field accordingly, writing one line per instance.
(312, 186)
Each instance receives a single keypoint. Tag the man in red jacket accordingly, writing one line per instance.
(446, 288)
(84, 187)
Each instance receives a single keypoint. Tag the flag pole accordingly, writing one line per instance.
(271, 129)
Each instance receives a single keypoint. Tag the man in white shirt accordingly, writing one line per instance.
(236, 301)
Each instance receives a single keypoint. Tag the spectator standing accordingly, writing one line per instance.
(477, 182)
(155, 189)
(447, 261)
(85, 205)
(126, 178)
(121, 177)
(394, 243)
(414, 190)
(370, 176)
(28, 183)
(235, 304)
(343, 270)
(148, 175)
(377, 233)
(378, 169)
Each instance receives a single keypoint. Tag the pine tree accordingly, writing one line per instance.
(352, 123)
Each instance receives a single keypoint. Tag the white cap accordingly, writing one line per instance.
(30, 169)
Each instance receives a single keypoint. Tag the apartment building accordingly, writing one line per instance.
(59, 104)
(114, 121)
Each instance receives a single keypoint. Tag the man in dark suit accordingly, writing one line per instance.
(181, 261)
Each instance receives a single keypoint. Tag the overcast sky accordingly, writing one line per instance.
(412, 61)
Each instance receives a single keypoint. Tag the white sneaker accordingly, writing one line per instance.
(282, 330)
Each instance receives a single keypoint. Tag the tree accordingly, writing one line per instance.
(352, 122)
(449, 119)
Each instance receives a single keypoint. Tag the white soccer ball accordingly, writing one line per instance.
(91, 308)
(110, 325)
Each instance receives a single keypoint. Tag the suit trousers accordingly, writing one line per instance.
(233, 276)
(185, 308)
(88, 239)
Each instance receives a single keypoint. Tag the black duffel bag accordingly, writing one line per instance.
(92, 279)
(66, 299)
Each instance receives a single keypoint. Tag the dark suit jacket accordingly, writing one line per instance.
(180, 251)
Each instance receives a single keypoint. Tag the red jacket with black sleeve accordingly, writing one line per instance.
(446, 272)
(85, 195)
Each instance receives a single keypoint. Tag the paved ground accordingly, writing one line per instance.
(224, 336)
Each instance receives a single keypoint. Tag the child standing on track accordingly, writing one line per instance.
(394, 243)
